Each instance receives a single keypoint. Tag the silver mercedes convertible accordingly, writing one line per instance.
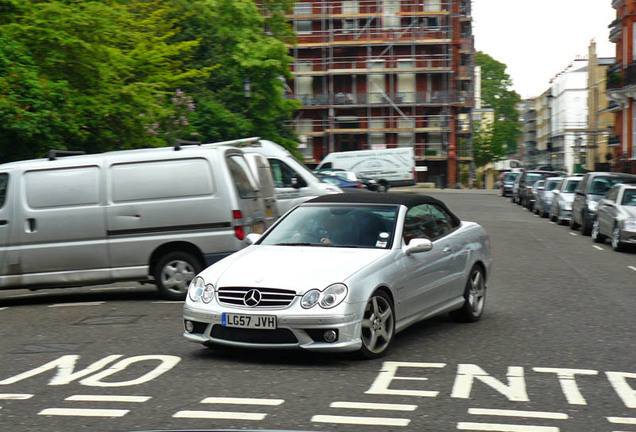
(343, 272)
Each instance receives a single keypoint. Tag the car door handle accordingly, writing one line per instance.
(447, 249)
(31, 225)
(4, 222)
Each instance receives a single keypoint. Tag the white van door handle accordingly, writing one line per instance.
(4, 222)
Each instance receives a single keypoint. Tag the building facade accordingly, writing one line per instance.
(621, 88)
(375, 74)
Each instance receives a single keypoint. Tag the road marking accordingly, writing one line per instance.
(77, 304)
(15, 396)
(108, 398)
(219, 415)
(369, 421)
(79, 412)
(243, 401)
(3, 308)
(373, 406)
(631, 267)
(622, 420)
(516, 413)
(573, 234)
(493, 427)
(598, 247)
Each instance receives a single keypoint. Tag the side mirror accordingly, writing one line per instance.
(298, 182)
(418, 245)
(252, 238)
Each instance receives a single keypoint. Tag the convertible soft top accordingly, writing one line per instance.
(396, 198)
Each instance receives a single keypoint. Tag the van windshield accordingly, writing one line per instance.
(243, 179)
(4, 181)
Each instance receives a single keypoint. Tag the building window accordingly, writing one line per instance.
(406, 82)
(303, 26)
(377, 141)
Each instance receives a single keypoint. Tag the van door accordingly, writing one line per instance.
(5, 222)
(261, 169)
(250, 203)
(62, 230)
(290, 185)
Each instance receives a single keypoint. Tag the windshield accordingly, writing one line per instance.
(629, 198)
(510, 177)
(370, 226)
(600, 185)
(533, 177)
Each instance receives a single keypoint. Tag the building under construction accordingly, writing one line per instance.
(375, 74)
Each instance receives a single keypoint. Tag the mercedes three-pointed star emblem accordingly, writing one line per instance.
(252, 298)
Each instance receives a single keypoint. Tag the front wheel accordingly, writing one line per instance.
(597, 237)
(378, 326)
(474, 296)
(174, 272)
(617, 245)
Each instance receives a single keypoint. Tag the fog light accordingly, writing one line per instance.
(330, 335)
(189, 326)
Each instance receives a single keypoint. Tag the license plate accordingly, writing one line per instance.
(267, 322)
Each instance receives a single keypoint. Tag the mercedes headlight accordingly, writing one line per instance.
(196, 288)
(329, 298)
(630, 224)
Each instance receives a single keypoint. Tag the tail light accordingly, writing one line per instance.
(358, 186)
(239, 229)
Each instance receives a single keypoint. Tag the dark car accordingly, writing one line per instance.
(527, 180)
(341, 182)
(592, 188)
(507, 182)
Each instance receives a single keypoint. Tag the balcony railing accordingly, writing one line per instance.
(370, 35)
(307, 67)
(371, 124)
(616, 28)
(398, 98)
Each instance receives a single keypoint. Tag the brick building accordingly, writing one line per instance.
(377, 74)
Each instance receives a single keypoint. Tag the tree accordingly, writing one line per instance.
(494, 141)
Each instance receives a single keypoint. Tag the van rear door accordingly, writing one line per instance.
(249, 203)
(5, 222)
(261, 169)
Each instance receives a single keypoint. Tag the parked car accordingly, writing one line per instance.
(592, 188)
(391, 261)
(535, 191)
(514, 193)
(341, 182)
(616, 217)
(527, 179)
(562, 198)
(507, 182)
(543, 199)
(366, 182)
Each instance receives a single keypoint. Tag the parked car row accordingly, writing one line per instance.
(601, 204)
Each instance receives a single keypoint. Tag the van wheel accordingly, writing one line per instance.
(383, 187)
(174, 272)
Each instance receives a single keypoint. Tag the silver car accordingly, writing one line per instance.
(616, 217)
(543, 200)
(343, 272)
(562, 198)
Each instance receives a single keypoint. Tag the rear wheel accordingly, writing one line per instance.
(378, 326)
(474, 296)
(586, 224)
(174, 272)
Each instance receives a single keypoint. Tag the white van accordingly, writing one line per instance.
(392, 167)
(157, 215)
(293, 181)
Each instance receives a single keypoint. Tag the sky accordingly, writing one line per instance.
(537, 39)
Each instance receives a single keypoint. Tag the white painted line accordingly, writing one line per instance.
(77, 304)
(369, 421)
(168, 302)
(574, 234)
(108, 398)
(622, 420)
(598, 247)
(219, 415)
(243, 401)
(492, 427)
(515, 413)
(373, 406)
(77, 412)
(631, 267)
(15, 396)
(3, 308)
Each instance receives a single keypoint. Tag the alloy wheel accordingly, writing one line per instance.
(476, 293)
(378, 324)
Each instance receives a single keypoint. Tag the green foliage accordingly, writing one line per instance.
(97, 75)
(494, 142)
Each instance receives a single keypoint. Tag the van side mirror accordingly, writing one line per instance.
(252, 238)
(298, 182)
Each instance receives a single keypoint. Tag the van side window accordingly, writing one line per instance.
(282, 173)
(4, 183)
(243, 179)
(62, 187)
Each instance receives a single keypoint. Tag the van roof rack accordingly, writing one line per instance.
(179, 142)
(243, 142)
(54, 154)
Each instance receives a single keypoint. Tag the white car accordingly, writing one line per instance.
(616, 217)
(562, 198)
(343, 272)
